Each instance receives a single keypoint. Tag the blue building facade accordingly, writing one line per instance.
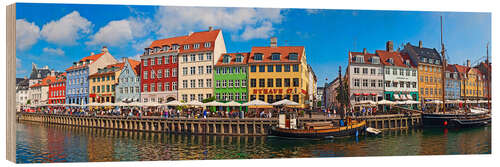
(77, 85)
(452, 84)
(129, 82)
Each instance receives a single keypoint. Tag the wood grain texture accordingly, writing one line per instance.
(11, 83)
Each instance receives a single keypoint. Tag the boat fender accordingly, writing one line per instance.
(445, 123)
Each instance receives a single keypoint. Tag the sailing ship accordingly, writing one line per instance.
(469, 117)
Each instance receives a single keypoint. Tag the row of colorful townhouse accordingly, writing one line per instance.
(414, 73)
(187, 68)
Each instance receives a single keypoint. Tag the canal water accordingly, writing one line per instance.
(38, 142)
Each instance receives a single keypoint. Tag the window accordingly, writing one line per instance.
(193, 83)
(200, 57)
(365, 70)
(295, 68)
(209, 83)
(262, 83)
(408, 84)
(372, 71)
(160, 59)
(193, 57)
(159, 73)
(356, 70)
(196, 46)
(200, 83)
(209, 56)
(207, 44)
(401, 84)
(287, 82)
(239, 58)
(387, 71)
(262, 68)
(226, 59)
(380, 83)
(200, 97)
(184, 84)
(278, 68)
(387, 83)
(270, 99)
(253, 83)
(224, 83)
(287, 68)
(253, 68)
(365, 83)
(145, 75)
(191, 97)
(275, 56)
(200, 69)
(296, 98)
(186, 47)
(257, 56)
(296, 82)
(174, 85)
(414, 73)
(167, 86)
(356, 82)
(144, 89)
(160, 87)
(293, 56)
(217, 84)
(243, 83)
(145, 62)
(270, 82)
(414, 84)
(167, 73)
(209, 69)
(184, 58)
(193, 70)
(153, 61)
(278, 82)
(270, 68)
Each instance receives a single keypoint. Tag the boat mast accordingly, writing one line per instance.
(488, 74)
(443, 78)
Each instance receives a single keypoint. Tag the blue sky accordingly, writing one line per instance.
(57, 35)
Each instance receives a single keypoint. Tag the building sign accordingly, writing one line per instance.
(275, 91)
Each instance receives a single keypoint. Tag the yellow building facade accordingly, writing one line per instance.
(102, 84)
(472, 85)
(430, 81)
(277, 73)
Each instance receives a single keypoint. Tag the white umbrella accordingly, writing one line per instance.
(120, 104)
(151, 104)
(214, 103)
(194, 103)
(436, 102)
(368, 102)
(385, 102)
(285, 102)
(412, 102)
(136, 104)
(232, 103)
(256, 102)
(173, 103)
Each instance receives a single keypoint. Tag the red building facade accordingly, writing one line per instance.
(57, 90)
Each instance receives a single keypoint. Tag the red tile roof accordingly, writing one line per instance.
(119, 65)
(194, 38)
(233, 59)
(135, 65)
(92, 58)
(283, 50)
(45, 81)
(366, 56)
(397, 57)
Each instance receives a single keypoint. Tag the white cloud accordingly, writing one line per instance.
(66, 30)
(174, 21)
(120, 32)
(27, 34)
(19, 67)
(52, 51)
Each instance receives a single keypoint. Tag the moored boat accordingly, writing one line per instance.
(456, 120)
(373, 131)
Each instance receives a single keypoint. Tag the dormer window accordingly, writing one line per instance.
(437, 61)
(375, 60)
(239, 58)
(407, 62)
(431, 61)
(390, 60)
(424, 59)
(257, 56)
(275, 56)
(196, 46)
(166, 47)
(359, 59)
(175, 47)
(226, 59)
(207, 44)
(293, 56)
(186, 47)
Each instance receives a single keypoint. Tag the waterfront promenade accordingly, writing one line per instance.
(210, 125)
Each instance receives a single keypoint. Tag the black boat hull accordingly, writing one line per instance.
(455, 120)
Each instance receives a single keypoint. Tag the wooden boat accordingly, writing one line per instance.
(286, 128)
(456, 120)
(373, 131)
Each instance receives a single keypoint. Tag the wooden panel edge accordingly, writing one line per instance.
(11, 83)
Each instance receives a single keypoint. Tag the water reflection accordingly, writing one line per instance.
(58, 143)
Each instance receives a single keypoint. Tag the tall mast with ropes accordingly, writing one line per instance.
(443, 78)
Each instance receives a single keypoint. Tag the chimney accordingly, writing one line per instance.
(52, 73)
(104, 49)
(364, 51)
(210, 28)
(420, 44)
(274, 42)
(92, 53)
(468, 63)
(124, 59)
(190, 33)
(389, 46)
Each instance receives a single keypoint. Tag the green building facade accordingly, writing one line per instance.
(230, 78)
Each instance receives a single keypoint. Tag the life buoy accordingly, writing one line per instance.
(445, 123)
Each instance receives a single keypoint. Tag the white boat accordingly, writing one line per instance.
(373, 131)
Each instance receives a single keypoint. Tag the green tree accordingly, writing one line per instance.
(28, 102)
(208, 99)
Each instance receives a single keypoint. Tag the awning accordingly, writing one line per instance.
(403, 97)
(373, 94)
(366, 94)
(357, 94)
(396, 96)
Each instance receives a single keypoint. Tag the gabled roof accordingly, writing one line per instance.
(92, 58)
(60, 78)
(366, 57)
(45, 81)
(193, 38)
(422, 52)
(397, 57)
(119, 65)
(135, 65)
(283, 50)
(233, 59)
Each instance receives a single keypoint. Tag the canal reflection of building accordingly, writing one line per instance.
(434, 142)
(99, 148)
